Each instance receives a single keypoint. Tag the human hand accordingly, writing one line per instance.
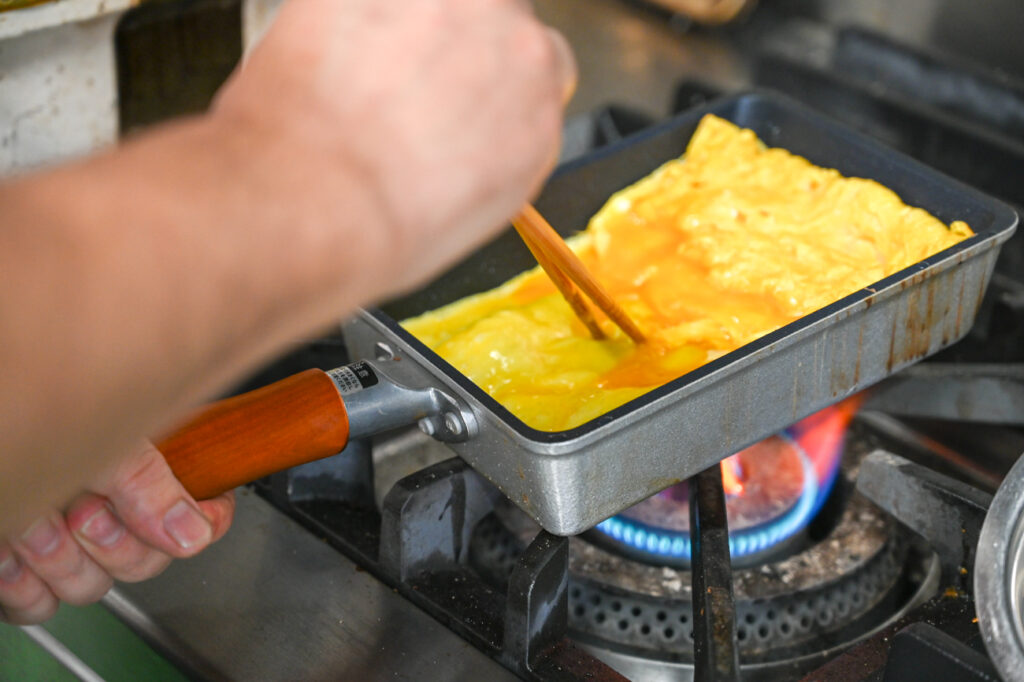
(449, 112)
(128, 527)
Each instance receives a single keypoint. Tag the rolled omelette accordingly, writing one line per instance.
(709, 252)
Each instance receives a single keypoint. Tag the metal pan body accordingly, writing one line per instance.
(570, 480)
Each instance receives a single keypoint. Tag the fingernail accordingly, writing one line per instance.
(41, 537)
(187, 526)
(10, 569)
(102, 528)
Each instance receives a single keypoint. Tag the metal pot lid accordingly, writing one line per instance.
(999, 577)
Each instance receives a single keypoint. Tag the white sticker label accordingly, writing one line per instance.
(353, 378)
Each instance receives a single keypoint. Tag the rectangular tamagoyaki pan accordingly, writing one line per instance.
(571, 480)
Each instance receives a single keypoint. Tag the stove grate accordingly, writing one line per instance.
(664, 625)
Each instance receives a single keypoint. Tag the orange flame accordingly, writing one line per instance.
(820, 433)
(732, 474)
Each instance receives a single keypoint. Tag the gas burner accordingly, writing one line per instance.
(773, 490)
(855, 572)
(800, 609)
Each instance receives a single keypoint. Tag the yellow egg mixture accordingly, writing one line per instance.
(709, 252)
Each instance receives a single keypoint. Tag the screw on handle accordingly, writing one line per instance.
(240, 439)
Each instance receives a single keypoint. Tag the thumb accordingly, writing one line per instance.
(154, 505)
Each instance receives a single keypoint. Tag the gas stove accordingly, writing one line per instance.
(840, 549)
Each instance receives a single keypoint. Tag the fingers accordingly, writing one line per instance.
(130, 534)
(106, 540)
(156, 508)
(24, 597)
(48, 549)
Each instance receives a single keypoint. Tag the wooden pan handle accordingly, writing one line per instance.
(237, 440)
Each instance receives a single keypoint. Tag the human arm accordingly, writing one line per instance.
(330, 173)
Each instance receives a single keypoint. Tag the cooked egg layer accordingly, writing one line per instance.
(708, 253)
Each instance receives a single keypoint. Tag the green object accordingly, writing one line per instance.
(97, 637)
(18, 4)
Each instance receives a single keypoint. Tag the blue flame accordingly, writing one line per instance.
(662, 542)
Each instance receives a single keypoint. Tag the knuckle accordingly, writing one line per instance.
(64, 571)
(147, 471)
(78, 580)
(90, 592)
(22, 594)
(534, 47)
(133, 571)
(148, 566)
(43, 608)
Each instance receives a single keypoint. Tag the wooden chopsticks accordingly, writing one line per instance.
(567, 272)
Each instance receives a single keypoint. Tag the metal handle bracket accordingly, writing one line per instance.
(376, 403)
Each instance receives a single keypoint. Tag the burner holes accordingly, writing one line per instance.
(637, 611)
(668, 633)
(824, 618)
(791, 609)
(579, 611)
(805, 623)
(595, 599)
(750, 618)
(661, 616)
(616, 606)
(857, 599)
(842, 608)
(683, 618)
(690, 635)
(623, 625)
(575, 593)
(645, 629)
(762, 632)
(770, 615)
(741, 634)
(784, 628)
(599, 617)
